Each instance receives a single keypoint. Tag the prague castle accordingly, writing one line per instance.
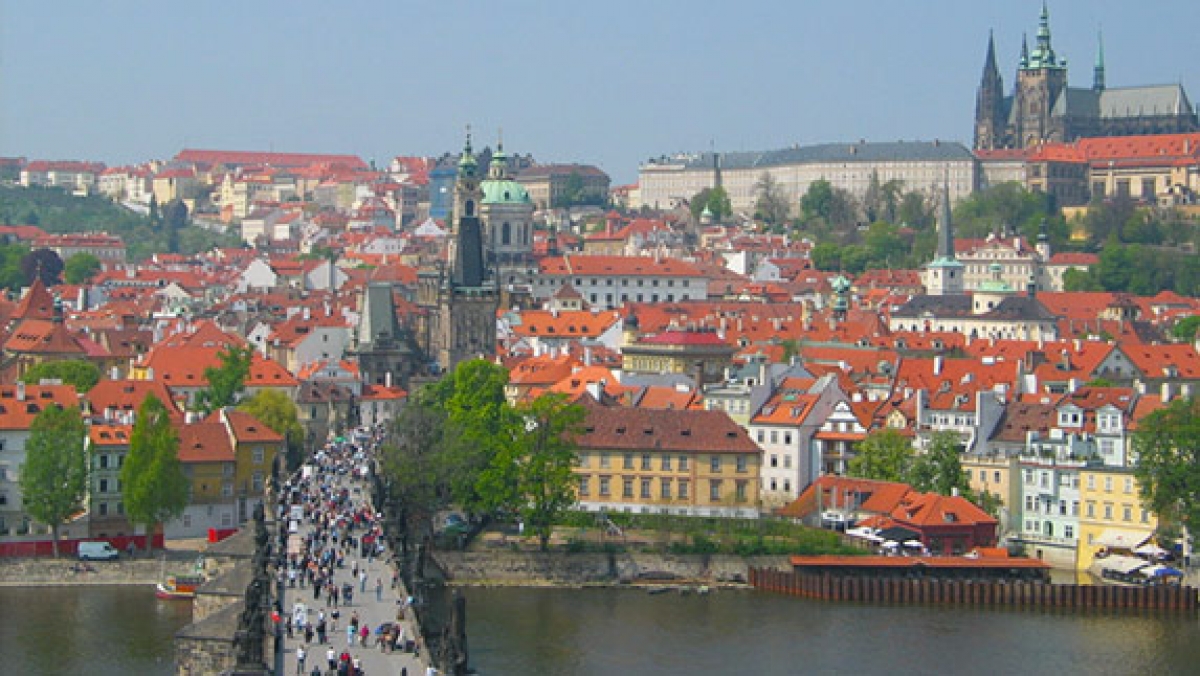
(1043, 108)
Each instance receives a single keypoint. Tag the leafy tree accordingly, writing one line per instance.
(83, 375)
(826, 256)
(11, 276)
(44, 264)
(225, 382)
(915, 210)
(716, 200)
(939, 468)
(1009, 205)
(1075, 279)
(80, 268)
(155, 216)
(770, 201)
(1105, 220)
(175, 215)
(277, 411)
(54, 476)
(479, 426)
(412, 460)
(1167, 445)
(1185, 329)
(573, 190)
(817, 201)
(885, 455)
(155, 488)
(539, 462)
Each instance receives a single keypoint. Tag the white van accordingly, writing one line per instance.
(97, 551)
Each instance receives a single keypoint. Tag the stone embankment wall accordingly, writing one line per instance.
(58, 572)
(562, 569)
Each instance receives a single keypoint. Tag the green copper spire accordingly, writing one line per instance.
(1098, 73)
(1043, 53)
(1024, 62)
(466, 163)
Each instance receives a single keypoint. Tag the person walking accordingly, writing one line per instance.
(378, 589)
(300, 655)
(331, 656)
(362, 580)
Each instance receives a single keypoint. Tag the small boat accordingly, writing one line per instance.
(179, 587)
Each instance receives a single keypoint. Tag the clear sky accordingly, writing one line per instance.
(606, 83)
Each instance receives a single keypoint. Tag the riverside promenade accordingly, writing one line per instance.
(328, 520)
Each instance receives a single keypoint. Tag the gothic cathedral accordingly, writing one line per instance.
(1043, 108)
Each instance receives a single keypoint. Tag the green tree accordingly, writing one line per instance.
(1009, 205)
(11, 277)
(826, 256)
(770, 200)
(277, 411)
(479, 427)
(885, 455)
(83, 375)
(412, 460)
(939, 468)
(80, 268)
(716, 200)
(915, 210)
(540, 459)
(226, 381)
(817, 201)
(54, 476)
(1185, 329)
(154, 486)
(1167, 445)
(175, 218)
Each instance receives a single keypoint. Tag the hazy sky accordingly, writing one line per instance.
(607, 83)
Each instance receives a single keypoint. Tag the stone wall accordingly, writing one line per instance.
(562, 569)
(59, 572)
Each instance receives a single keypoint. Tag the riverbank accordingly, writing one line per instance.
(562, 569)
(71, 573)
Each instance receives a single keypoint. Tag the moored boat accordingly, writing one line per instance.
(179, 587)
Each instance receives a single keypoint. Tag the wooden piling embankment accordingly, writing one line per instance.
(977, 594)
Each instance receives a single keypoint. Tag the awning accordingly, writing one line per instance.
(1162, 571)
(1122, 564)
(1115, 538)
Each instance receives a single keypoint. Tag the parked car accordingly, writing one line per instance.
(98, 551)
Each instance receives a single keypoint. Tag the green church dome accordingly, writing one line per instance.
(504, 191)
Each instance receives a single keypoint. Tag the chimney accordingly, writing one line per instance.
(937, 365)
(387, 379)
(587, 356)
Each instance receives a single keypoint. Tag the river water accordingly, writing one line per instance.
(631, 633)
(604, 632)
(99, 631)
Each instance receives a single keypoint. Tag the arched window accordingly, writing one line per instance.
(506, 233)
(469, 208)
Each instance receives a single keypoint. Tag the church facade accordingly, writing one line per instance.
(1044, 108)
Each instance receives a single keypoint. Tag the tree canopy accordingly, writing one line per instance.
(42, 264)
(153, 483)
(716, 200)
(1167, 444)
(81, 268)
(54, 476)
(885, 455)
(81, 374)
(1010, 206)
(277, 411)
(770, 200)
(226, 381)
(939, 468)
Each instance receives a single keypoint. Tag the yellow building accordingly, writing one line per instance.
(1112, 512)
(255, 449)
(688, 462)
(993, 474)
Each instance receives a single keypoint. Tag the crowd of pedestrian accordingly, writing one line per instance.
(335, 535)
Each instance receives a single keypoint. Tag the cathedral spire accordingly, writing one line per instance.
(1024, 62)
(1098, 73)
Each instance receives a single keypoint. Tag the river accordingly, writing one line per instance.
(98, 631)
(604, 632)
(583, 632)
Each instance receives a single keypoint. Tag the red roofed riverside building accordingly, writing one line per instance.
(691, 462)
(606, 282)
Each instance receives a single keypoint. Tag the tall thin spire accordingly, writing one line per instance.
(1024, 62)
(1098, 73)
(945, 227)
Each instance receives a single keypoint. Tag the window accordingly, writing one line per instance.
(787, 461)
(1062, 507)
(760, 436)
(683, 489)
(1108, 484)
(258, 454)
(227, 489)
(1128, 485)
(683, 463)
(787, 438)
(714, 490)
(774, 460)
(646, 461)
(1145, 516)
(1069, 532)
(740, 490)
(103, 506)
(742, 462)
(604, 460)
(774, 436)
(666, 463)
(983, 475)
(256, 482)
(627, 488)
(714, 464)
(1126, 513)
(103, 486)
(787, 485)
(584, 488)
(645, 489)
(103, 459)
(1091, 509)
(1108, 513)
(604, 481)
(1091, 482)
(227, 470)
(628, 463)
(583, 459)
(665, 489)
